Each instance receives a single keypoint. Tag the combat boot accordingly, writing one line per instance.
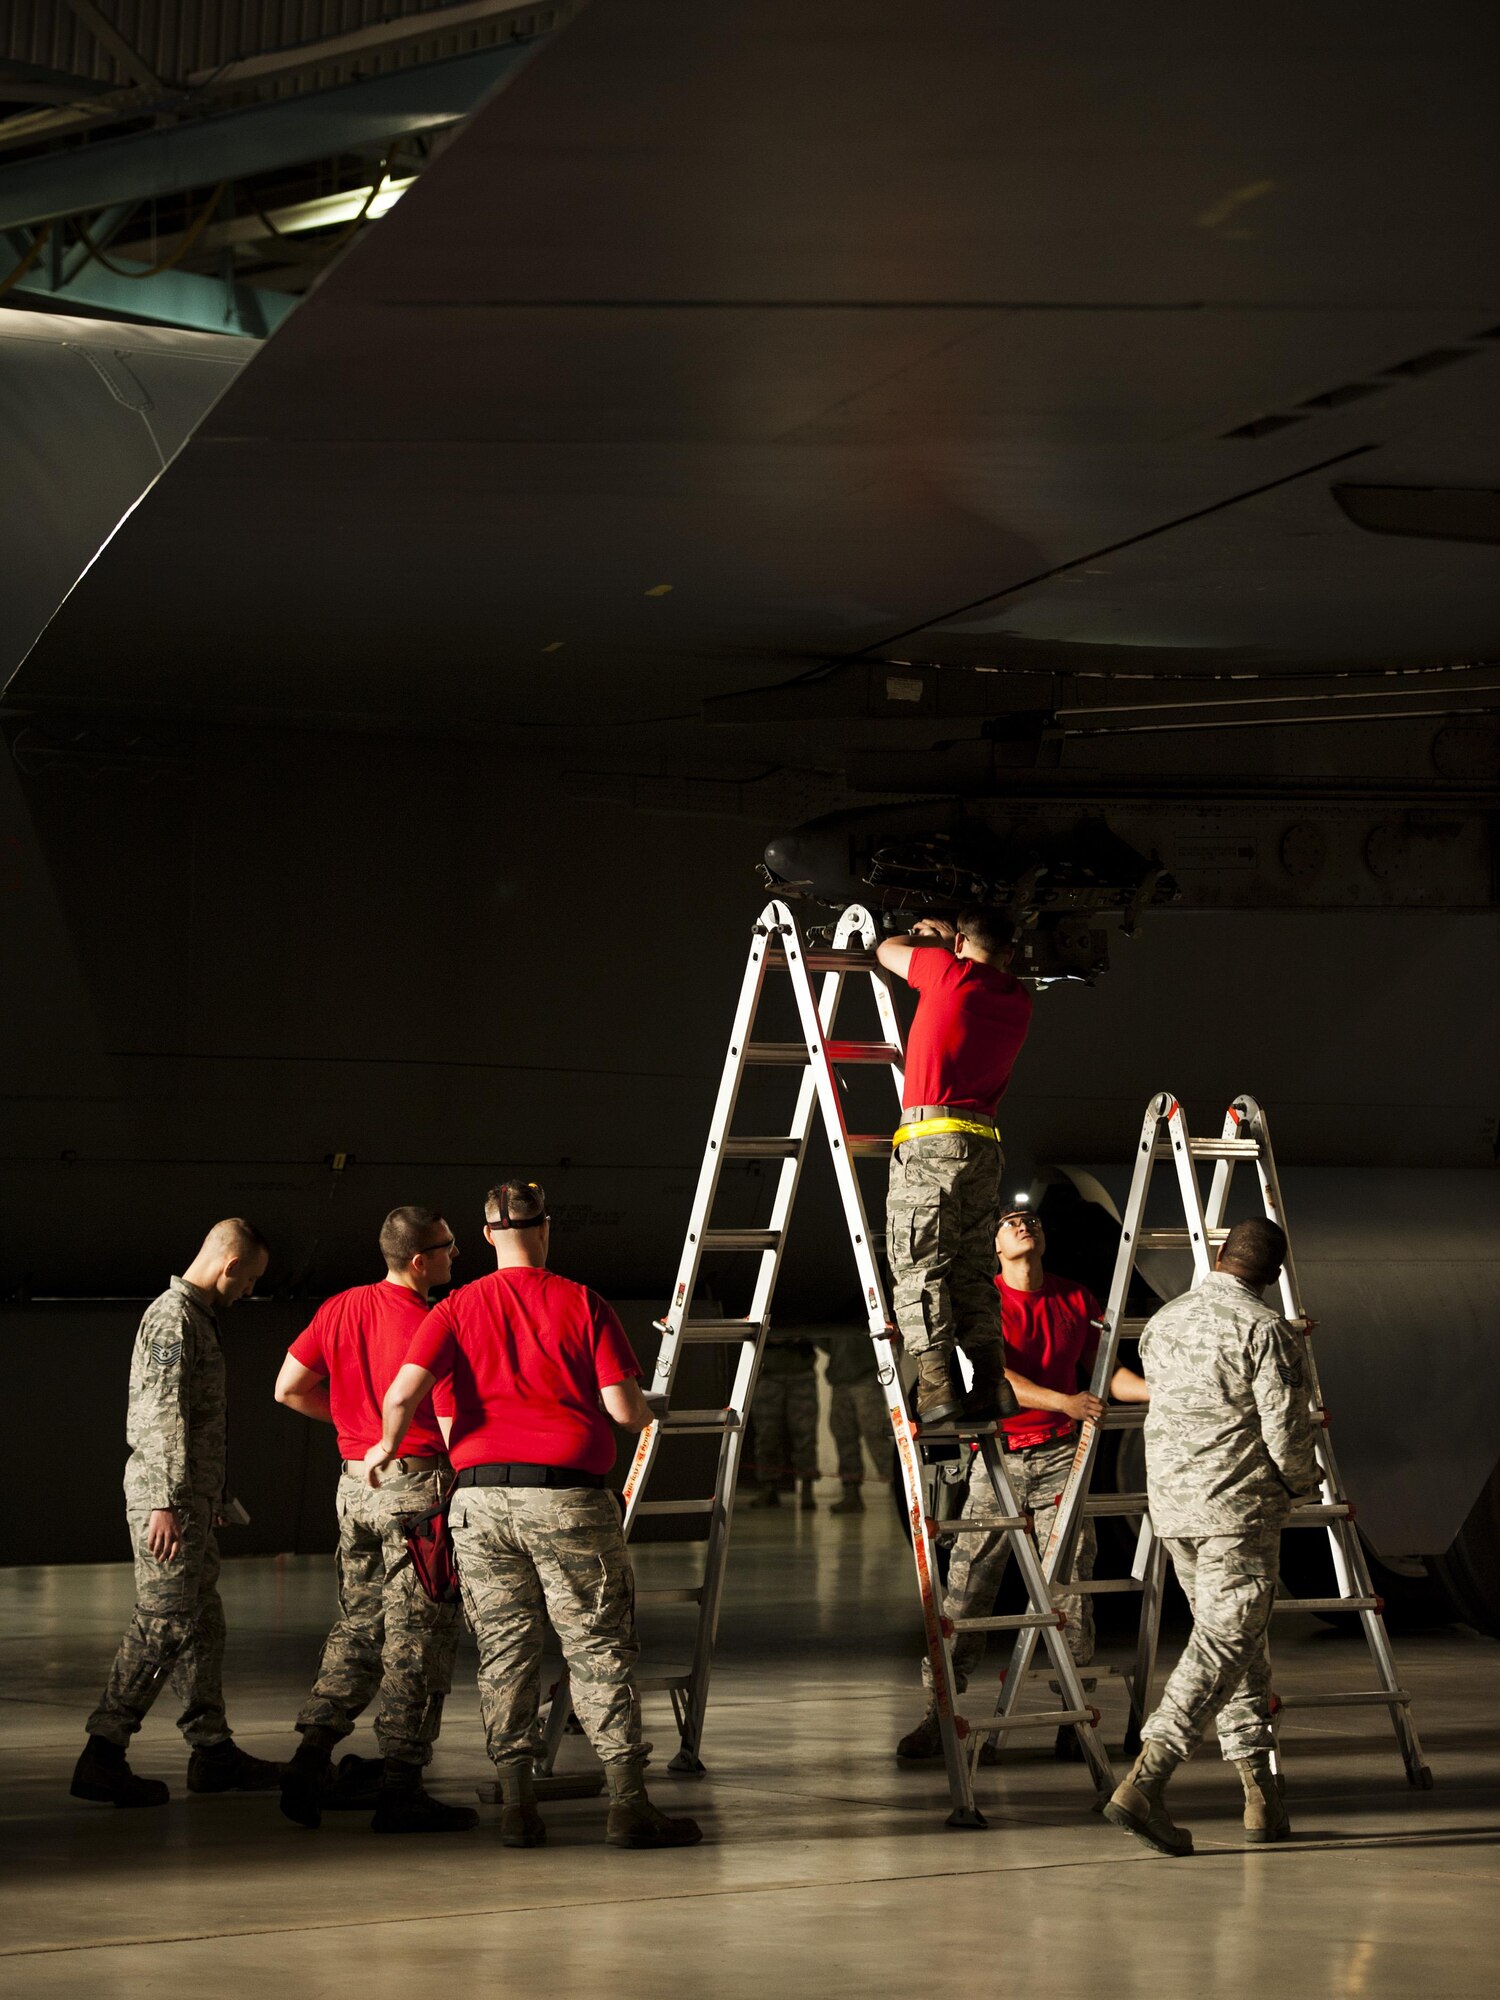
(103, 1775)
(521, 1825)
(356, 1784)
(308, 1779)
(768, 1496)
(923, 1743)
(225, 1767)
(990, 1396)
(634, 1821)
(806, 1499)
(852, 1502)
(405, 1807)
(938, 1401)
(1137, 1806)
(1265, 1815)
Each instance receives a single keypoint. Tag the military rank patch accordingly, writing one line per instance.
(165, 1352)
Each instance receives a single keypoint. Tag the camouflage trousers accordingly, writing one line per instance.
(785, 1414)
(1224, 1674)
(390, 1636)
(978, 1562)
(856, 1411)
(527, 1554)
(940, 1217)
(176, 1633)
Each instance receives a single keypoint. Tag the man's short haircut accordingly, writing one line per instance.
(991, 930)
(404, 1233)
(522, 1201)
(235, 1237)
(1255, 1250)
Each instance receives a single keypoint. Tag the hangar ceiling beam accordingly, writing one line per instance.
(257, 140)
(108, 36)
(169, 298)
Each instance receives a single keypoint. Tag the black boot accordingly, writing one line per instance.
(225, 1767)
(356, 1784)
(308, 1779)
(103, 1775)
(991, 1396)
(404, 1807)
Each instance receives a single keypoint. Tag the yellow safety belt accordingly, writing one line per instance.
(926, 1128)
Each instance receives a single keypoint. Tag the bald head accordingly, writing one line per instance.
(1254, 1252)
(233, 1258)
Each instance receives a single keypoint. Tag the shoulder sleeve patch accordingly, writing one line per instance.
(165, 1352)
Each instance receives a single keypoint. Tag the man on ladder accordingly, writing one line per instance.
(944, 1200)
(1230, 1444)
(1051, 1336)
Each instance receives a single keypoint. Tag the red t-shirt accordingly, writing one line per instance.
(520, 1356)
(1049, 1340)
(359, 1339)
(971, 1021)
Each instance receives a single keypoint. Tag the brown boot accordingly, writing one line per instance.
(938, 1400)
(521, 1825)
(1137, 1806)
(920, 1745)
(634, 1821)
(1265, 1815)
(767, 1497)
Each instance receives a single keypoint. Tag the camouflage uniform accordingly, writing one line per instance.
(177, 1431)
(1230, 1440)
(1037, 1476)
(785, 1411)
(390, 1635)
(856, 1408)
(527, 1553)
(940, 1215)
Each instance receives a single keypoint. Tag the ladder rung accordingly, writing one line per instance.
(1357, 1697)
(676, 1506)
(1328, 1604)
(680, 1422)
(1096, 1586)
(1036, 1718)
(863, 1052)
(867, 1145)
(1018, 1621)
(787, 1053)
(937, 1433)
(1115, 1503)
(1125, 1417)
(769, 1148)
(990, 1527)
(658, 1683)
(1175, 1239)
(740, 1239)
(826, 959)
(1319, 1516)
(719, 1329)
(1212, 1149)
(671, 1595)
(1132, 1329)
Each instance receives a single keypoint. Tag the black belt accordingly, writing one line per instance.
(527, 1475)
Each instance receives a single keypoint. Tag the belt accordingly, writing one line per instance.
(409, 1463)
(927, 1128)
(527, 1475)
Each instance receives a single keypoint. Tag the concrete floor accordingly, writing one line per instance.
(826, 1870)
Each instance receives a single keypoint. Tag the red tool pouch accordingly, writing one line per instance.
(429, 1542)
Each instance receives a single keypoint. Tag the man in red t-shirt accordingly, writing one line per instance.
(520, 1362)
(971, 1019)
(1051, 1342)
(390, 1636)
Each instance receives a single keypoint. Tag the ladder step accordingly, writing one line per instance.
(993, 1526)
(1019, 1621)
(863, 1052)
(676, 1506)
(1319, 1516)
(1096, 1586)
(1115, 1503)
(659, 1683)
(740, 1239)
(826, 960)
(682, 1595)
(1175, 1239)
(1329, 1604)
(868, 1145)
(796, 1055)
(771, 1053)
(1212, 1149)
(681, 1422)
(736, 1147)
(1127, 1417)
(936, 1433)
(1036, 1718)
(706, 1330)
(1132, 1329)
(1357, 1697)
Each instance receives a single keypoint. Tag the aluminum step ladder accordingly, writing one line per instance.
(1245, 1138)
(777, 947)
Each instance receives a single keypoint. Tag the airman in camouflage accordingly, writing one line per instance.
(1231, 1442)
(174, 1489)
(784, 1413)
(857, 1414)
